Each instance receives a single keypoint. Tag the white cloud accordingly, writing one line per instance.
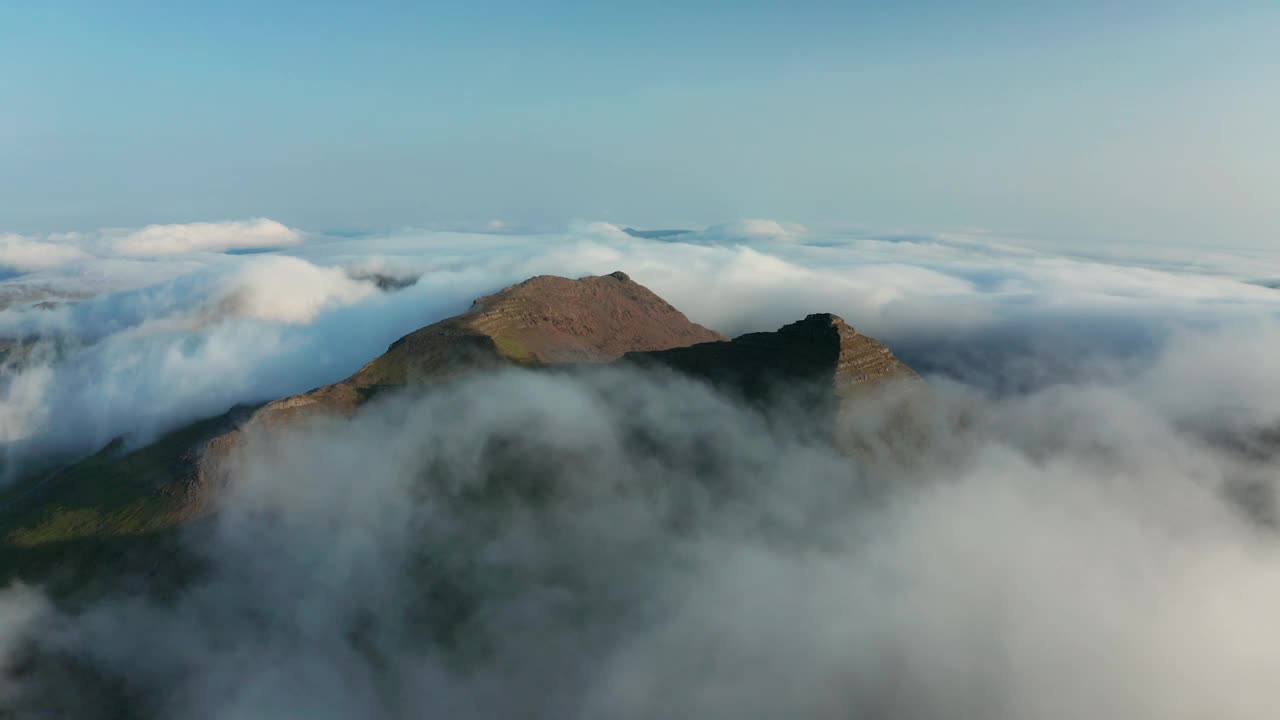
(24, 404)
(27, 253)
(757, 229)
(140, 362)
(156, 240)
(287, 289)
(21, 609)
(23, 254)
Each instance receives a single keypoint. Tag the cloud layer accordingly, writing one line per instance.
(624, 545)
(248, 328)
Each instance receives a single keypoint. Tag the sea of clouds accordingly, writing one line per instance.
(171, 323)
(1080, 524)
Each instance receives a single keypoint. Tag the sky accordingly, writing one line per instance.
(1075, 123)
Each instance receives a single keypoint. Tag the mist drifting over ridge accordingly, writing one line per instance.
(1064, 535)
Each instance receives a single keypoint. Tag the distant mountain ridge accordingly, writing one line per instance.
(655, 234)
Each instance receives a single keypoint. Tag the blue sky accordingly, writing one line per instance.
(1073, 122)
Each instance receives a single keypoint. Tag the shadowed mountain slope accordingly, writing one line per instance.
(810, 367)
(821, 347)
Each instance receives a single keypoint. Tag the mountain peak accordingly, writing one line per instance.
(545, 320)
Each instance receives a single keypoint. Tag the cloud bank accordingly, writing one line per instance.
(91, 253)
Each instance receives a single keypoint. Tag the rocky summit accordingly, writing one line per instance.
(545, 320)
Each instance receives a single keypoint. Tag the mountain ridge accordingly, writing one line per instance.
(817, 364)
